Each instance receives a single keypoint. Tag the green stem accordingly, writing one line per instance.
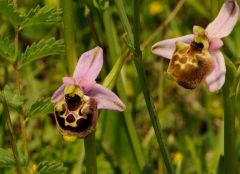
(229, 132)
(142, 77)
(111, 80)
(229, 118)
(69, 38)
(11, 133)
(90, 152)
(18, 85)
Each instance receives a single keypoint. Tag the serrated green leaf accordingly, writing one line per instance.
(8, 10)
(51, 167)
(44, 15)
(7, 158)
(42, 49)
(13, 99)
(41, 106)
(7, 50)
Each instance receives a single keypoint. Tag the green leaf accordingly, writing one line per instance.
(51, 167)
(6, 158)
(7, 9)
(7, 50)
(13, 99)
(41, 106)
(42, 49)
(44, 15)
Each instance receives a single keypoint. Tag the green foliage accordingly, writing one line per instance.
(7, 50)
(51, 167)
(8, 10)
(6, 158)
(38, 16)
(42, 49)
(13, 99)
(41, 106)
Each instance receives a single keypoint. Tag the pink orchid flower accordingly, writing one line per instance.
(197, 56)
(79, 98)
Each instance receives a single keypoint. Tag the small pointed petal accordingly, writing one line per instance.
(89, 64)
(58, 94)
(215, 44)
(167, 47)
(225, 21)
(106, 99)
(216, 79)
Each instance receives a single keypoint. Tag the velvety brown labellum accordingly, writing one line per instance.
(190, 64)
(76, 116)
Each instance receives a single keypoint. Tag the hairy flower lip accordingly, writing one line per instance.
(78, 132)
(220, 27)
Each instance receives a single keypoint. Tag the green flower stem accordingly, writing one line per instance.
(111, 80)
(141, 74)
(229, 132)
(11, 133)
(229, 119)
(18, 86)
(69, 37)
(90, 154)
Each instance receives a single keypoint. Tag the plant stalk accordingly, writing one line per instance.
(90, 154)
(69, 37)
(135, 43)
(229, 132)
(18, 86)
(111, 80)
(11, 133)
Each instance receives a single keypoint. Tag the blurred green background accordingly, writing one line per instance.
(192, 120)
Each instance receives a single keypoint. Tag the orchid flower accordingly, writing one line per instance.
(77, 101)
(197, 56)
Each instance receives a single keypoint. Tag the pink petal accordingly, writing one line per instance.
(215, 44)
(167, 47)
(89, 64)
(58, 94)
(225, 21)
(106, 99)
(85, 84)
(216, 79)
(69, 80)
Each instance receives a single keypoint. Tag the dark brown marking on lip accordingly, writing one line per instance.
(197, 46)
(70, 118)
(82, 124)
(72, 102)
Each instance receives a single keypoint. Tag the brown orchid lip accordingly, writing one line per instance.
(190, 65)
(77, 116)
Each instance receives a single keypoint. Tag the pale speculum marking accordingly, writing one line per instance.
(190, 64)
(75, 114)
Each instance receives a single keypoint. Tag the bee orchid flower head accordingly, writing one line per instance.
(77, 100)
(197, 56)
